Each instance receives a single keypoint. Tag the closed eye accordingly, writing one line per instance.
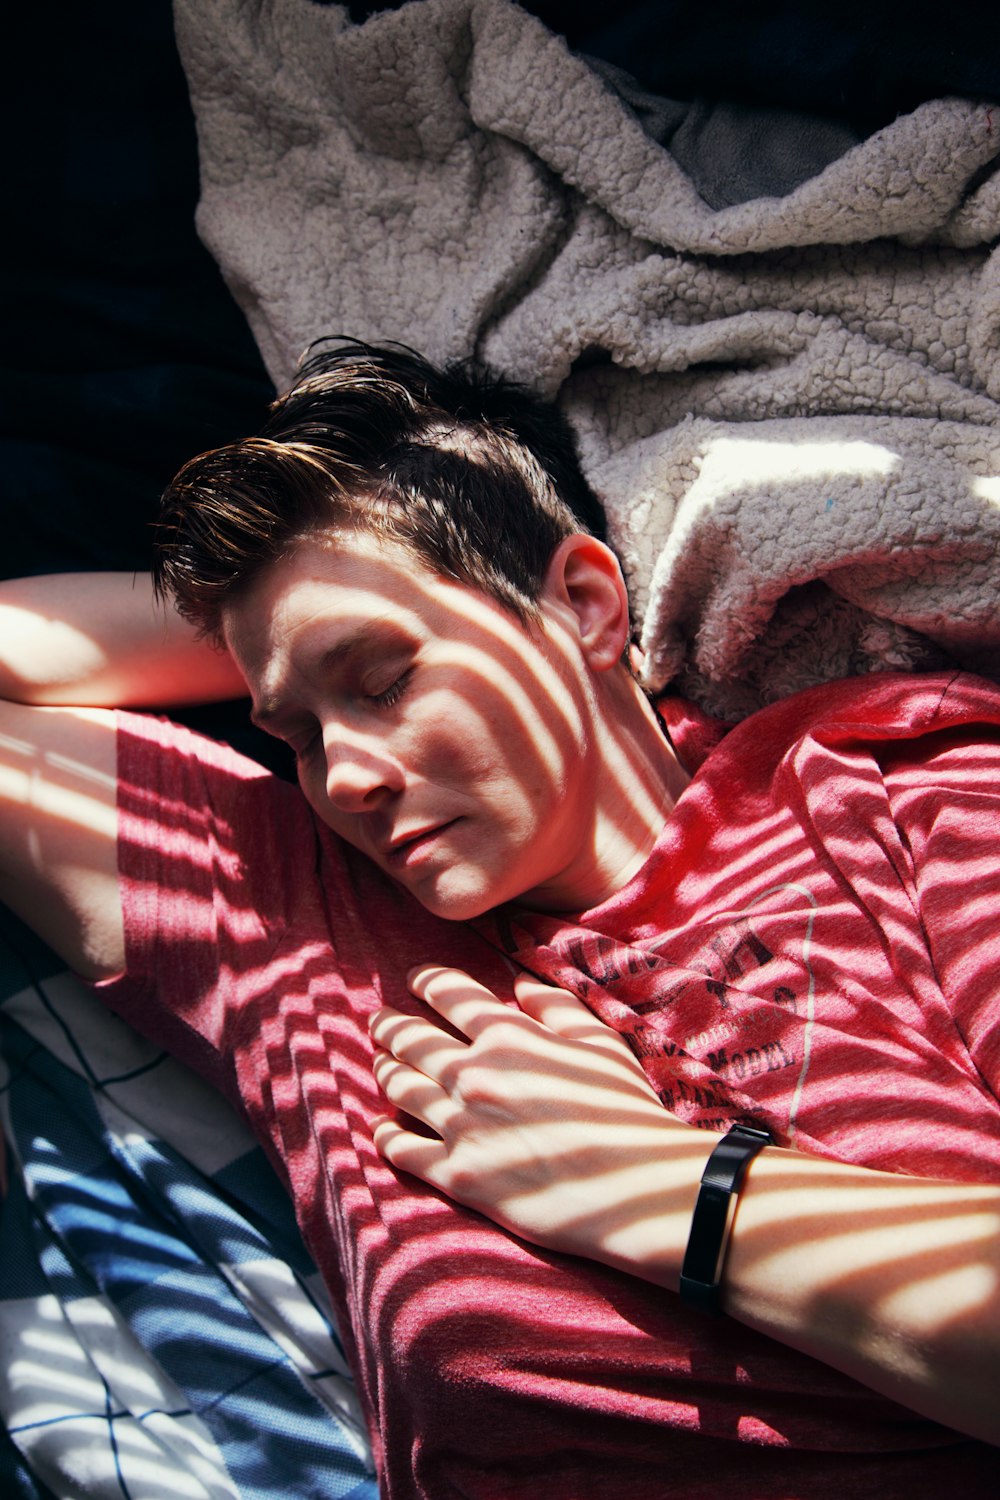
(392, 694)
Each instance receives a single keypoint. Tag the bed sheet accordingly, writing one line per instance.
(162, 1330)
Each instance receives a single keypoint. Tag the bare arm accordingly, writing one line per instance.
(58, 848)
(546, 1123)
(102, 640)
(86, 642)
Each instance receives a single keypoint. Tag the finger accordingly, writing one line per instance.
(409, 1152)
(570, 1017)
(417, 1042)
(418, 1095)
(460, 999)
(557, 1009)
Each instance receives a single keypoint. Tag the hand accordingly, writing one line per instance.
(542, 1117)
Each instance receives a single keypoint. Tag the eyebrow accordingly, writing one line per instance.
(356, 643)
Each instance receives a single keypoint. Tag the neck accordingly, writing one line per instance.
(640, 785)
(637, 781)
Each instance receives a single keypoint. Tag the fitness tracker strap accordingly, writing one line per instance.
(713, 1213)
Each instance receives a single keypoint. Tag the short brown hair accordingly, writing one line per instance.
(476, 476)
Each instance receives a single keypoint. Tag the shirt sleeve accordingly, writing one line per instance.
(212, 850)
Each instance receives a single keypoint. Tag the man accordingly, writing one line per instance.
(397, 577)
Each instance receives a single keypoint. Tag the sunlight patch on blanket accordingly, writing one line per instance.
(758, 461)
(987, 489)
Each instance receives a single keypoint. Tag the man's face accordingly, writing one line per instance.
(432, 731)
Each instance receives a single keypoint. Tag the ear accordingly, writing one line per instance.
(585, 577)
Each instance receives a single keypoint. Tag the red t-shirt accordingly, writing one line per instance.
(811, 944)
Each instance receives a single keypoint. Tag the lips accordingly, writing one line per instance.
(410, 846)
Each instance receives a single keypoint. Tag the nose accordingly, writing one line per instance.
(360, 771)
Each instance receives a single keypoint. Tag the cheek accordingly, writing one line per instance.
(486, 746)
(512, 712)
(505, 775)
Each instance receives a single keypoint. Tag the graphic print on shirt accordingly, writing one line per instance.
(722, 1017)
(740, 949)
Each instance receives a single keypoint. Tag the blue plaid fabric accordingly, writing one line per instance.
(162, 1330)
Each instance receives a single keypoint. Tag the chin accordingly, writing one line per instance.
(461, 905)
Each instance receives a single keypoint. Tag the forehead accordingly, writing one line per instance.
(350, 590)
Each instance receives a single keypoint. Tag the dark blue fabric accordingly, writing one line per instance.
(853, 60)
(123, 351)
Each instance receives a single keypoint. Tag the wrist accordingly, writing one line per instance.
(643, 1227)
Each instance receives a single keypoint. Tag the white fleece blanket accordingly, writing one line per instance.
(788, 406)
